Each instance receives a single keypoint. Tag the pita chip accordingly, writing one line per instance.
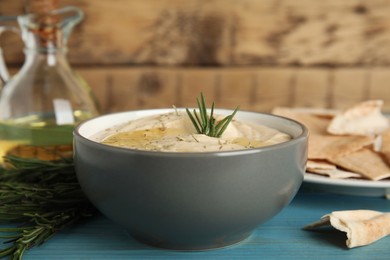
(320, 164)
(329, 146)
(364, 161)
(328, 169)
(362, 119)
(362, 227)
(385, 146)
(335, 173)
(315, 125)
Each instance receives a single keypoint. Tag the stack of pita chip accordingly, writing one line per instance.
(354, 143)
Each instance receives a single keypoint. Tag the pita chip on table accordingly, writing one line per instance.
(362, 227)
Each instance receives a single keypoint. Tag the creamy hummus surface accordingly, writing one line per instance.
(174, 132)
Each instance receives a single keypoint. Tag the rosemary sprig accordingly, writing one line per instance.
(205, 124)
(41, 198)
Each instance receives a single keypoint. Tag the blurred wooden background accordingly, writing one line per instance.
(254, 53)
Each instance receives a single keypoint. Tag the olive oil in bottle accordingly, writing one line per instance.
(37, 137)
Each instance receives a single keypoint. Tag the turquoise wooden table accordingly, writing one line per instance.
(280, 238)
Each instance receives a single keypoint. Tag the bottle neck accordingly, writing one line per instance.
(49, 56)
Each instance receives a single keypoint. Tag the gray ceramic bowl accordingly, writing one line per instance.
(190, 201)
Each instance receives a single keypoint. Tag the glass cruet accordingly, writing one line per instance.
(41, 104)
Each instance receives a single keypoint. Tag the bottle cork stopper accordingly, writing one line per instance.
(45, 23)
(40, 6)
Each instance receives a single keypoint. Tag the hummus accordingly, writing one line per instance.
(174, 132)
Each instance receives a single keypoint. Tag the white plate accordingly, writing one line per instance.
(348, 186)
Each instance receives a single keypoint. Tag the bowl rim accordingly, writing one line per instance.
(303, 135)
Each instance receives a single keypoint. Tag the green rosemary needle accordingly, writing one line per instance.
(40, 198)
(205, 124)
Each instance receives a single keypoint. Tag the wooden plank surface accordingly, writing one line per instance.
(253, 88)
(224, 32)
(351, 84)
(256, 54)
(280, 238)
(312, 88)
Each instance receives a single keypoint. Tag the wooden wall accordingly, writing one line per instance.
(254, 53)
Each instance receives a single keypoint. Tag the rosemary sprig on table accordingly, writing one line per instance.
(205, 124)
(40, 198)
